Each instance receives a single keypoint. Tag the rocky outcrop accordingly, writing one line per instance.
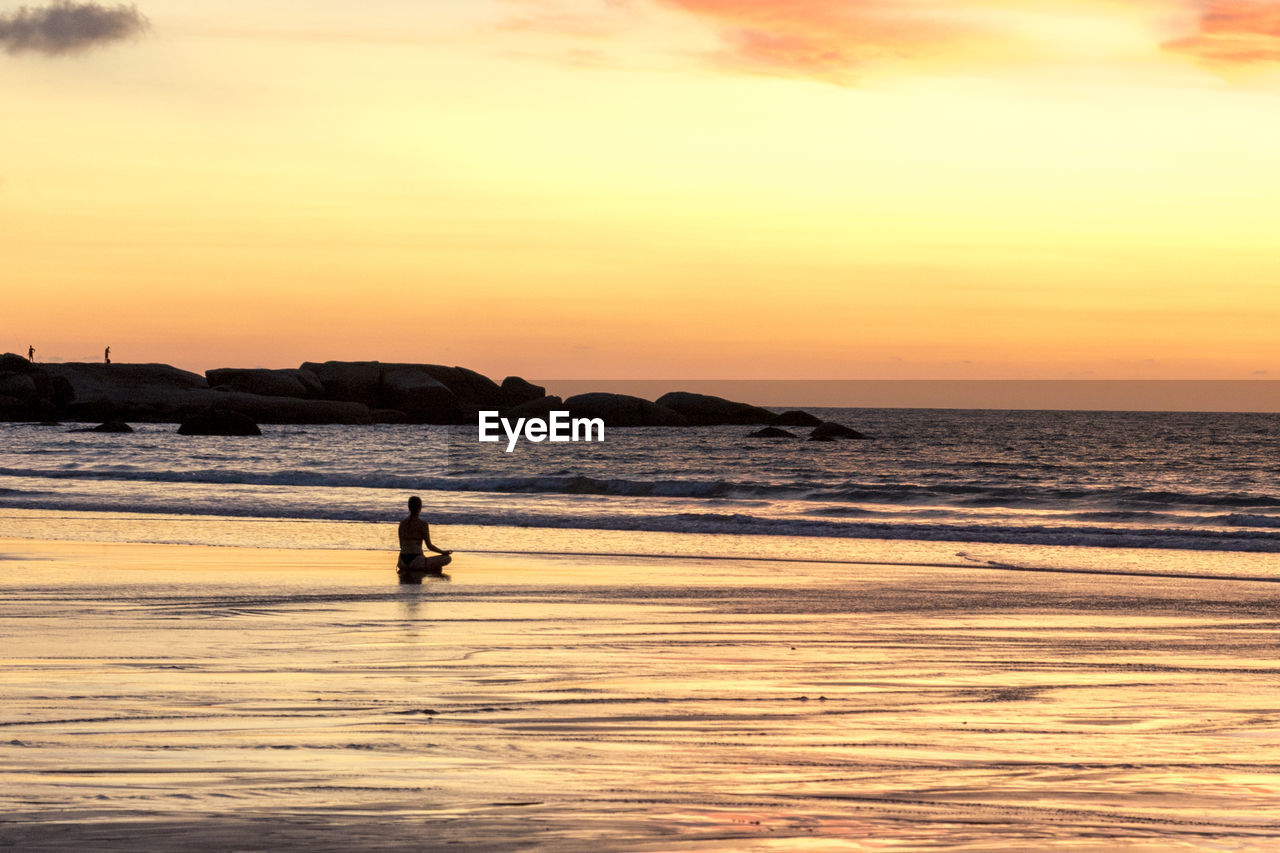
(797, 418)
(706, 410)
(218, 422)
(539, 408)
(772, 432)
(345, 392)
(299, 383)
(515, 391)
(828, 431)
(28, 391)
(622, 410)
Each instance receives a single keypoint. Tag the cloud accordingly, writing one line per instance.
(847, 41)
(829, 40)
(1234, 31)
(68, 27)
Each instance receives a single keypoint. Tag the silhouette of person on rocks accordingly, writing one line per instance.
(31, 353)
(106, 355)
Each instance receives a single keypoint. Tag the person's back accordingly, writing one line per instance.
(415, 535)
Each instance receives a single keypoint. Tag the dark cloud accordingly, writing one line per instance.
(68, 27)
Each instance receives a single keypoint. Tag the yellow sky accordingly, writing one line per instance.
(654, 188)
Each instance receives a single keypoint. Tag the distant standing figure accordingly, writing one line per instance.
(31, 353)
(414, 535)
(106, 355)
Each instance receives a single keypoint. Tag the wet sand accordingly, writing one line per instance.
(160, 696)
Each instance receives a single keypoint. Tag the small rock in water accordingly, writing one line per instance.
(109, 426)
(113, 426)
(772, 432)
(829, 430)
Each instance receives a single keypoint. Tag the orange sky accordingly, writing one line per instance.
(641, 188)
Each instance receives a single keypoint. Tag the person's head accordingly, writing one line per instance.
(415, 505)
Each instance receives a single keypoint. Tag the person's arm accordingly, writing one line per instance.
(426, 540)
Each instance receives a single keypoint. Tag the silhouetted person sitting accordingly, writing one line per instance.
(414, 535)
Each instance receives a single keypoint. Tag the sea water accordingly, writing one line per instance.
(1134, 480)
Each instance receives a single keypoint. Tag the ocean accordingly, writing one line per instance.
(1180, 481)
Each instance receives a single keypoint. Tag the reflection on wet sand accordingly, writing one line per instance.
(165, 696)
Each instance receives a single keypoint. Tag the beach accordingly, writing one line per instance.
(211, 697)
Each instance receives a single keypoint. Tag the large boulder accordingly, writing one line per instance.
(473, 390)
(516, 391)
(348, 381)
(539, 408)
(17, 385)
(706, 410)
(828, 431)
(218, 422)
(622, 410)
(797, 418)
(410, 388)
(295, 382)
(145, 392)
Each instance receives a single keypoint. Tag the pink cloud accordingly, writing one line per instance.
(842, 41)
(827, 39)
(1234, 31)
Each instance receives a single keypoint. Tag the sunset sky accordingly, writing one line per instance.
(648, 188)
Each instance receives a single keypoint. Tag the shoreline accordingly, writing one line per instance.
(484, 542)
(30, 548)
